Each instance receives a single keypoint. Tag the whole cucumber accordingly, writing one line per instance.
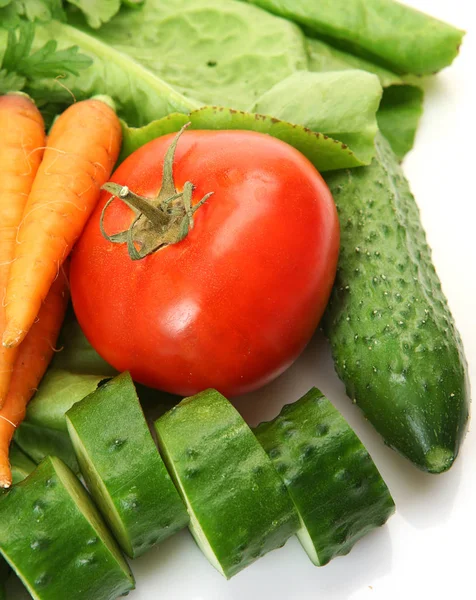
(393, 338)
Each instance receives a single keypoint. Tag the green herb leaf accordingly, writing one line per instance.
(140, 96)
(45, 62)
(11, 82)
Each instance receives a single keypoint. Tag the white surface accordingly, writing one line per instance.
(427, 548)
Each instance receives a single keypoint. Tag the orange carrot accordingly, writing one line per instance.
(33, 358)
(81, 151)
(22, 141)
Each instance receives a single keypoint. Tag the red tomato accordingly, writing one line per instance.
(233, 304)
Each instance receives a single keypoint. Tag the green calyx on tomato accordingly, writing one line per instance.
(160, 221)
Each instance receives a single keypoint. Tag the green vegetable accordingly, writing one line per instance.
(323, 151)
(21, 465)
(336, 487)
(239, 508)
(398, 116)
(75, 372)
(401, 106)
(393, 338)
(20, 66)
(217, 51)
(324, 57)
(392, 34)
(97, 13)
(140, 96)
(13, 12)
(122, 468)
(55, 540)
(38, 442)
(340, 104)
(44, 430)
(76, 354)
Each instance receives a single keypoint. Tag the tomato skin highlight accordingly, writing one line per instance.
(233, 304)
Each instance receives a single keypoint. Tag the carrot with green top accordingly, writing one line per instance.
(34, 356)
(82, 149)
(22, 142)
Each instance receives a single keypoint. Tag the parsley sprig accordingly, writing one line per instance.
(21, 65)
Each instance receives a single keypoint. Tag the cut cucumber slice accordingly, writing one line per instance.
(21, 467)
(239, 508)
(123, 468)
(55, 540)
(336, 487)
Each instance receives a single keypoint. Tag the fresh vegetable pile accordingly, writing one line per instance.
(207, 204)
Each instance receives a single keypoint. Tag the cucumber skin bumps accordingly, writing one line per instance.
(336, 487)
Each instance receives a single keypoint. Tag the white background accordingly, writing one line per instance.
(427, 549)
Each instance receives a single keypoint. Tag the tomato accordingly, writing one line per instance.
(234, 303)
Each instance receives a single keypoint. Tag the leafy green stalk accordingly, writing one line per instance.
(392, 34)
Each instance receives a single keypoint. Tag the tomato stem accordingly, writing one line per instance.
(160, 221)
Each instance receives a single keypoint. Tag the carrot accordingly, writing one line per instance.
(22, 141)
(34, 355)
(81, 151)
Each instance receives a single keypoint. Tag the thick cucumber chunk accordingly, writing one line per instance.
(123, 468)
(393, 338)
(336, 487)
(239, 508)
(55, 540)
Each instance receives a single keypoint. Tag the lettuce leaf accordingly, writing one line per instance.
(12, 12)
(77, 355)
(392, 34)
(399, 115)
(216, 51)
(402, 103)
(38, 442)
(21, 465)
(140, 96)
(324, 57)
(324, 152)
(97, 13)
(340, 104)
